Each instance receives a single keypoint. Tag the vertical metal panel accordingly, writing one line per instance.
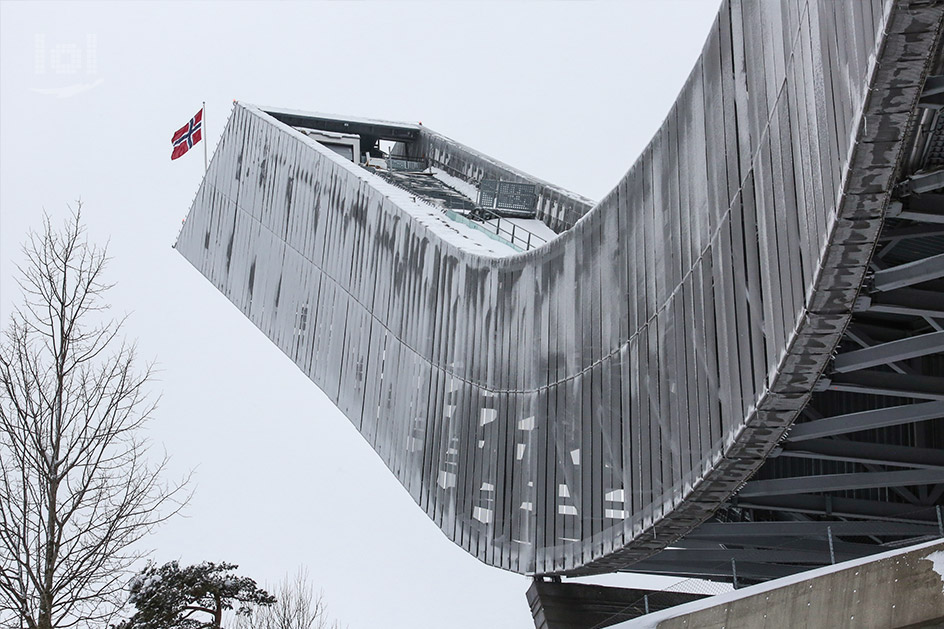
(555, 411)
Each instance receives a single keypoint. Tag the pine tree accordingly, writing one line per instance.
(194, 597)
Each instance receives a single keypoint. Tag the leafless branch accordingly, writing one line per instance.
(297, 606)
(76, 489)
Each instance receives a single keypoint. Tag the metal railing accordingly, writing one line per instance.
(488, 219)
(406, 164)
(508, 230)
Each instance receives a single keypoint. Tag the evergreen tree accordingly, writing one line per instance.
(194, 597)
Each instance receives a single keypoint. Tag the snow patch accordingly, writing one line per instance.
(482, 514)
(461, 186)
(937, 564)
(488, 416)
(446, 480)
(519, 451)
(617, 495)
(533, 225)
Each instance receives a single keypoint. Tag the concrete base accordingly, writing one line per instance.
(902, 588)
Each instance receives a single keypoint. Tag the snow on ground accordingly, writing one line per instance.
(937, 564)
(461, 186)
(432, 217)
(522, 226)
(502, 227)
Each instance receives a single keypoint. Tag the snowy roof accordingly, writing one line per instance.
(383, 129)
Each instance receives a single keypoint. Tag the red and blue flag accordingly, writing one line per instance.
(187, 135)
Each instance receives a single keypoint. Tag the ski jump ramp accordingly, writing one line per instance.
(581, 406)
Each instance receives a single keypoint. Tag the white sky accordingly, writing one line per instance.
(90, 95)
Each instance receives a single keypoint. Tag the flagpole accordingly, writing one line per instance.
(205, 165)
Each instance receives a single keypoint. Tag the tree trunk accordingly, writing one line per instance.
(75, 492)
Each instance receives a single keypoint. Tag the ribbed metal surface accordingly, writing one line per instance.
(575, 408)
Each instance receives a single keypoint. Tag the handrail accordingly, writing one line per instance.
(484, 214)
(498, 218)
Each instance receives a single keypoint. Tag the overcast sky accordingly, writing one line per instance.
(90, 95)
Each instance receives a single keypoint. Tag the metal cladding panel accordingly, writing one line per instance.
(575, 408)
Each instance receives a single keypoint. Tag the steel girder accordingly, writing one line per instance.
(867, 449)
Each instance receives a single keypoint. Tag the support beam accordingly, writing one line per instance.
(852, 549)
(836, 506)
(877, 332)
(718, 570)
(864, 452)
(893, 351)
(922, 208)
(840, 482)
(933, 85)
(922, 217)
(911, 273)
(928, 203)
(857, 334)
(866, 420)
(923, 182)
(911, 231)
(907, 301)
(900, 591)
(891, 384)
(741, 530)
(759, 555)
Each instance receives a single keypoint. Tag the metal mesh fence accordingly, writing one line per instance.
(507, 195)
(406, 164)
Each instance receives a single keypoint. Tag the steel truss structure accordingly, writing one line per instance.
(732, 366)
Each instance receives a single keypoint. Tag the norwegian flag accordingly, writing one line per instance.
(187, 135)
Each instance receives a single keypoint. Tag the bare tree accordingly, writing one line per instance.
(297, 606)
(76, 490)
